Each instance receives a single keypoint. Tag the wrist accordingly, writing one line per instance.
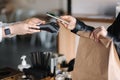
(11, 27)
(8, 31)
(76, 28)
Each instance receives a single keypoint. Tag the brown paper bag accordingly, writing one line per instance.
(92, 59)
(66, 43)
(114, 64)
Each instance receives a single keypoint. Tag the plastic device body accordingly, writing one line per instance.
(51, 27)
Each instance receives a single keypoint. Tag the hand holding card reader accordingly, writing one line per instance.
(50, 27)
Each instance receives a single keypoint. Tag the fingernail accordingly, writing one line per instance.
(38, 24)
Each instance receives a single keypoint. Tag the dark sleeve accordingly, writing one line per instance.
(114, 33)
(81, 26)
(116, 40)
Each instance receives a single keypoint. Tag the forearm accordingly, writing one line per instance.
(81, 26)
(11, 27)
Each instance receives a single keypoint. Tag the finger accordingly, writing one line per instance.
(91, 35)
(63, 18)
(67, 18)
(34, 26)
(60, 22)
(72, 24)
(33, 31)
(41, 22)
(34, 21)
(97, 34)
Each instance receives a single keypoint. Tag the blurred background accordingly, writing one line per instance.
(17, 10)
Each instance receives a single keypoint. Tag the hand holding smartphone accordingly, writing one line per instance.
(57, 18)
